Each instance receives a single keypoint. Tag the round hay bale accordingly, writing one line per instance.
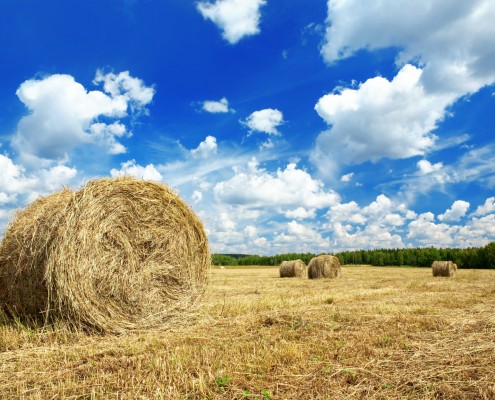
(293, 269)
(443, 268)
(324, 266)
(119, 254)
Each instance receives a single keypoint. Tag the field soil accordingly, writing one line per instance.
(373, 333)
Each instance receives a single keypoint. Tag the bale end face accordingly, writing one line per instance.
(444, 268)
(293, 269)
(324, 266)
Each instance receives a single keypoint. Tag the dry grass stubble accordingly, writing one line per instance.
(379, 333)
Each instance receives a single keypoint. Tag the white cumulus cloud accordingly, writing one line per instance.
(256, 187)
(266, 121)
(206, 148)
(425, 167)
(456, 212)
(379, 119)
(236, 18)
(453, 56)
(130, 168)
(63, 114)
(221, 106)
(136, 94)
(197, 196)
(302, 236)
(347, 177)
(487, 208)
(300, 213)
(17, 186)
(455, 46)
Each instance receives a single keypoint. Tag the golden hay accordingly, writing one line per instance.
(443, 268)
(119, 254)
(324, 266)
(293, 268)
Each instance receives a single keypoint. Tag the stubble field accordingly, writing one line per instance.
(374, 333)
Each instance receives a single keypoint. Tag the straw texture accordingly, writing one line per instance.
(324, 266)
(119, 254)
(293, 269)
(443, 268)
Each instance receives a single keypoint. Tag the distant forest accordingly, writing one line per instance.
(474, 257)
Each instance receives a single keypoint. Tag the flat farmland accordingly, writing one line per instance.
(373, 333)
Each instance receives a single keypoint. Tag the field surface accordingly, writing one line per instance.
(374, 333)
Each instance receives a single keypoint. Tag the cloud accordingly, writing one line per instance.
(487, 208)
(347, 177)
(380, 224)
(476, 232)
(453, 63)
(425, 232)
(456, 212)
(136, 94)
(130, 168)
(107, 134)
(63, 114)
(474, 166)
(371, 237)
(256, 187)
(17, 187)
(300, 213)
(221, 106)
(301, 236)
(197, 196)
(379, 119)
(250, 231)
(206, 148)
(266, 121)
(449, 65)
(346, 212)
(236, 18)
(425, 167)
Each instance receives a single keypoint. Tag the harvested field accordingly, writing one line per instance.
(379, 333)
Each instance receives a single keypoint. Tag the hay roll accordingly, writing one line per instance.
(118, 254)
(324, 266)
(443, 268)
(293, 269)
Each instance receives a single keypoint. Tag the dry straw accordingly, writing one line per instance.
(324, 266)
(119, 254)
(443, 268)
(293, 269)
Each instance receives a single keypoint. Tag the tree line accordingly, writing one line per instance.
(473, 257)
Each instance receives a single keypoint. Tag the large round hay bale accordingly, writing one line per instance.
(443, 268)
(293, 269)
(324, 266)
(118, 254)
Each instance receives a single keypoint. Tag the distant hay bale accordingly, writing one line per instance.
(443, 268)
(119, 254)
(324, 266)
(293, 269)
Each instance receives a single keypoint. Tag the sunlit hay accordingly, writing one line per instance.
(126, 255)
(293, 269)
(443, 268)
(324, 266)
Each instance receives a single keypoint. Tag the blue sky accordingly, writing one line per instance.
(288, 126)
